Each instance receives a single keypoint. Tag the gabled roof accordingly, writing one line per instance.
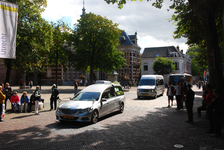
(166, 51)
(124, 39)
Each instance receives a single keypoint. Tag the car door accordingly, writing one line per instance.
(120, 96)
(107, 101)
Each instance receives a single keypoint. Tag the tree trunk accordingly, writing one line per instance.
(91, 74)
(9, 68)
(213, 51)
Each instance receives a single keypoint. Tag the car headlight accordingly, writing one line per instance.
(153, 91)
(85, 110)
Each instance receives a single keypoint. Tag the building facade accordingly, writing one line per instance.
(182, 61)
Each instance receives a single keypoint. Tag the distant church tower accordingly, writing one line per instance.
(83, 10)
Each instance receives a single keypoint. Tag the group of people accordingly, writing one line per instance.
(183, 93)
(6, 93)
(213, 105)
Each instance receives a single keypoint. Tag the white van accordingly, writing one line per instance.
(150, 86)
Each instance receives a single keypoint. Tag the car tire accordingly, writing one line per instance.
(95, 116)
(155, 96)
(139, 97)
(121, 108)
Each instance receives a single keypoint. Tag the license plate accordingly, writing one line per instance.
(144, 94)
(69, 117)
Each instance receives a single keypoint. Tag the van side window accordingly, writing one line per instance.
(118, 91)
(157, 82)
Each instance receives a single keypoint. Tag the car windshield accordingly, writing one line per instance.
(147, 82)
(87, 96)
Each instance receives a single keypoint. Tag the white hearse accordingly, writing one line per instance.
(150, 86)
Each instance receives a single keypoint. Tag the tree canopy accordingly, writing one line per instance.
(96, 40)
(163, 66)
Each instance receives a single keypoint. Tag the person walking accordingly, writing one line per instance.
(37, 99)
(189, 100)
(75, 87)
(178, 95)
(170, 93)
(2, 99)
(54, 97)
(8, 93)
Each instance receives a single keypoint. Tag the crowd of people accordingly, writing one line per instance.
(24, 103)
(211, 103)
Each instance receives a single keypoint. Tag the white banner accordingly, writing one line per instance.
(8, 29)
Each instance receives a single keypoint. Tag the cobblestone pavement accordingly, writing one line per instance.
(145, 124)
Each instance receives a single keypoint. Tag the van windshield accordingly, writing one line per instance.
(147, 82)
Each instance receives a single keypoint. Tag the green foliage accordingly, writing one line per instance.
(96, 40)
(163, 66)
(30, 48)
(60, 53)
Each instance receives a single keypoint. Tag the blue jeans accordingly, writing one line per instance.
(17, 105)
(76, 91)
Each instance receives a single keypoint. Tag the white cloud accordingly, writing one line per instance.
(151, 24)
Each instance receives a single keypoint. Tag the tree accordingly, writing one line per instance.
(60, 53)
(206, 12)
(96, 40)
(30, 48)
(163, 66)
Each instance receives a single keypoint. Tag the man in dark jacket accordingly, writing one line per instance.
(189, 100)
(54, 96)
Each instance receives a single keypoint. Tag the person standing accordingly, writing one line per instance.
(37, 99)
(2, 99)
(189, 100)
(31, 84)
(217, 108)
(75, 87)
(54, 97)
(15, 101)
(209, 111)
(8, 93)
(178, 95)
(170, 93)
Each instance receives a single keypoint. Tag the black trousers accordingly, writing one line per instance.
(189, 107)
(179, 102)
(53, 100)
(203, 107)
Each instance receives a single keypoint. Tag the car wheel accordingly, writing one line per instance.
(139, 97)
(155, 96)
(94, 118)
(121, 108)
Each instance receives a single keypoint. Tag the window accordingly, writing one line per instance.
(145, 67)
(118, 91)
(108, 93)
(176, 65)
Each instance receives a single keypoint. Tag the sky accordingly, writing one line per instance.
(151, 24)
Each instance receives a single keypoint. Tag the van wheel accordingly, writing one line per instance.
(121, 108)
(94, 118)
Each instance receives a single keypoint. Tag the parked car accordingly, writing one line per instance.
(93, 102)
(103, 82)
(150, 86)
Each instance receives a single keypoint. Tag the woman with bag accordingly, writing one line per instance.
(15, 101)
